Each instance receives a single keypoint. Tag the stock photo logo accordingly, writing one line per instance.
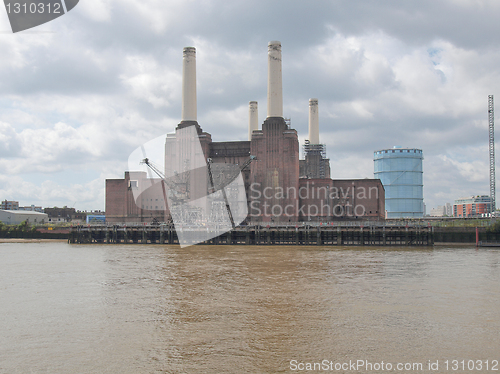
(170, 175)
(26, 14)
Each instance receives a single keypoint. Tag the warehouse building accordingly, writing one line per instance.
(15, 217)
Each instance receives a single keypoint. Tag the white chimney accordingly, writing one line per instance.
(189, 85)
(313, 122)
(253, 122)
(274, 82)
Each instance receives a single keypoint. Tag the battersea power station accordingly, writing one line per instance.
(276, 185)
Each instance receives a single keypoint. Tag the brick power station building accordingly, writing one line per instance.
(279, 186)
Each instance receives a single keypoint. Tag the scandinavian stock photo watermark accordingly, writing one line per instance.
(171, 175)
(310, 200)
(26, 14)
(368, 366)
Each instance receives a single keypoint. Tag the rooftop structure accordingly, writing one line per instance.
(9, 205)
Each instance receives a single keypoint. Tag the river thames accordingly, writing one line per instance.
(247, 309)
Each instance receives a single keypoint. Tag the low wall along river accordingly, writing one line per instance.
(287, 235)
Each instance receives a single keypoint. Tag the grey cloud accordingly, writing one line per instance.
(365, 102)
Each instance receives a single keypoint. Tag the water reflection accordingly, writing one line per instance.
(229, 309)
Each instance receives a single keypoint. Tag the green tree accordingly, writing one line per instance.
(494, 227)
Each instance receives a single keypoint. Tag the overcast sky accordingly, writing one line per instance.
(79, 94)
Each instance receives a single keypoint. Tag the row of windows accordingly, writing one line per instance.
(474, 200)
(471, 209)
(418, 151)
(147, 207)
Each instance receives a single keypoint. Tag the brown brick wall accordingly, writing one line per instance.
(347, 199)
(272, 182)
(362, 198)
(121, 205)
(275, 171)
(316, 203)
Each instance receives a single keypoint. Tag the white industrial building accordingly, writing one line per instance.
(15, 217)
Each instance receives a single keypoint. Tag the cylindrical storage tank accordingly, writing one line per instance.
(400, 171)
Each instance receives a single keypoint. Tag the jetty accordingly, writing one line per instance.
(375, 235)
(488, 243)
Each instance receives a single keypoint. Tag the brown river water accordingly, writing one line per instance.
(254, 309)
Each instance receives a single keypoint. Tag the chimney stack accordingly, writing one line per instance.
(274, 82)
(313, 122)
(253, 123)
(189, 85)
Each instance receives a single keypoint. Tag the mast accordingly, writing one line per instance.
(491, 119)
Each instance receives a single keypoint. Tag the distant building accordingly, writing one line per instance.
(473, 206)
(95, 218)
(449, 210)
(14, 205)
(400, 171)
(9, 205)
(32, 208)
(121, 207)
(65, 214)
(440, 211)
(15, 217)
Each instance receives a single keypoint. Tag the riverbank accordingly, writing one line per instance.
(263, 235)
(21, 240)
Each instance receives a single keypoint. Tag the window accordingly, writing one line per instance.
(133, 184)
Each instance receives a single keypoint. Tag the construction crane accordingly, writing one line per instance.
(177, 195)
(229, 178)
(178, 185)
(491, 120)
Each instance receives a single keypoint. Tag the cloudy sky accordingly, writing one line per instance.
(79, 94)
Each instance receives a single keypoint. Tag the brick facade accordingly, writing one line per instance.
(134, 199)
(274, 175)
(275, 191)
